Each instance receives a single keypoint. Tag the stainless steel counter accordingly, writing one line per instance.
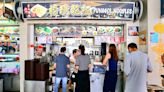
(1, 85)
(36, 86)
(97, 82)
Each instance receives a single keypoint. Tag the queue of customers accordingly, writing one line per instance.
(136, 66)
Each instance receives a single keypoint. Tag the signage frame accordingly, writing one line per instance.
(78, 18)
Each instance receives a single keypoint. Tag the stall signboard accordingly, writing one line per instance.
(78, 10)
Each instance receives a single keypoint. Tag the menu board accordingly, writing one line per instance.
(107, 39)
(77, 41)
(78, 30)
(78, 10)
(41, 39)
(44, 39)
(9, 30)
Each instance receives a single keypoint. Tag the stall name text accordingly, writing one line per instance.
(104, 11)
(111, 11)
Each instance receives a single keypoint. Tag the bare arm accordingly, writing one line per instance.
(90, 66)
(127, 65)
(76, 68)
(107, 57)
(77, 63)
(72, 61)
(54, 65)
(55, 60)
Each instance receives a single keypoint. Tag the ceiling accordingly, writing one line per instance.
(63, 0)
(53, 0)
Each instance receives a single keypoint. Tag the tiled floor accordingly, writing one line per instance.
(60, 89)
(11, 91)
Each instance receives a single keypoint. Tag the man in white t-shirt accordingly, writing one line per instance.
(136, 67)
(72, 66)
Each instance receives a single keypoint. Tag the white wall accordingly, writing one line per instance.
(143, 26)
(153, 18)
(23, 52)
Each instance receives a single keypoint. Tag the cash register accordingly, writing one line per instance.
(98, 67)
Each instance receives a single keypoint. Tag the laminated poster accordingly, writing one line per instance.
(133, 31)
(154, 37)
(49, 39)
(42, 39)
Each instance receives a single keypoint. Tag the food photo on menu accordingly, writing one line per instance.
(133, 31)
(118, 31)
(55, 30)
(101, 30)
(43, 30)
(90, 29)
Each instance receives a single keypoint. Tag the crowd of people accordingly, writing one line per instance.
(136, 67)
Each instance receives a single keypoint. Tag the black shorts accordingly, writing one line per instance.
(73, 77)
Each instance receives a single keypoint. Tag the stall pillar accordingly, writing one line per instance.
(153, 19)
(23, 52)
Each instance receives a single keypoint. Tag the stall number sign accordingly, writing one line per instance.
(79, 10)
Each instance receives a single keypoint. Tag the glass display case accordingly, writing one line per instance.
(9, 49)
